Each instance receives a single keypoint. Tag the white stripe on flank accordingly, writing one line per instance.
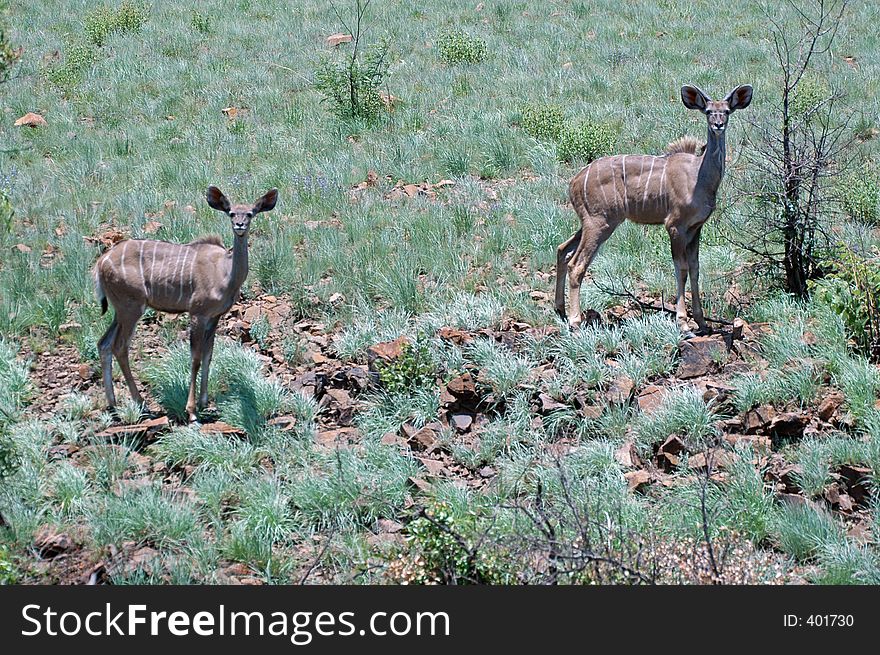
(106, 260)
(648, 183)
(586, 197)
(663, 193)
(169, 280)
(192, 273)
(604, 196)
(625, 201)
(153, 263)
(122, 261)
(141, 266)
(182, 268)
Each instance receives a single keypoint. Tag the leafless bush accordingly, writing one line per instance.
(796, 147)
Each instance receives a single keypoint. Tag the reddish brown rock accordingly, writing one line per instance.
(650, 399)
(637, 480)
(699, 356)
(620, 390)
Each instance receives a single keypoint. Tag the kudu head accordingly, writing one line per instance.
(241, 215)
(717, 111)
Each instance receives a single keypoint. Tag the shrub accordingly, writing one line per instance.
(414, 368)
(79, 56)
(353, 86)
(853, 292)
(103, 21)
(8, 571)
(8, 56)
(443, 556)
(860, 195)
(585, 141)
(82, 51)
(808, 96)
(200, 22)
(543, 121)
(457, 47)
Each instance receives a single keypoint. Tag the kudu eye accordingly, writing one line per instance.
(250, 214)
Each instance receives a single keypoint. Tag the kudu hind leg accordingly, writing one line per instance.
(124, 332)
(594, 234)
(563, 255)
(105, 348)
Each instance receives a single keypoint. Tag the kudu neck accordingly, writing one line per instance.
(712, 166)
(239, 262)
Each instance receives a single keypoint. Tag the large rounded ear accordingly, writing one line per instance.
(693, 98)
(740, 97)
(267, 202)
(216, 200)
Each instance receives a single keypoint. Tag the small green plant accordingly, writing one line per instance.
(585, 141)
(103, 21)
(82, 51)
(860, 196)
(200, 22)
(853, 292)
(9, 457)
(543, 121)
(458, 47)
(260, 329)
(79, 56)
(8, 570)
(353, 84)
(414, 368)
(7, 213)
(8, 56)
(353, 87)
(438, 540)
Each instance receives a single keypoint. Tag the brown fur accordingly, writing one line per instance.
(676, 190)
(201, 277)
(686, 144)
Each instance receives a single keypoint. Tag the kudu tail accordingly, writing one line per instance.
(99, 292)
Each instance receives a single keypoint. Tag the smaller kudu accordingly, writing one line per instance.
(202, 278)
(677, 189)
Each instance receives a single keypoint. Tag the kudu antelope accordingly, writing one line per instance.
(676, 189)
(202, 278)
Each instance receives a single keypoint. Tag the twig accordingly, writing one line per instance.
(317, 560)
(644, 305)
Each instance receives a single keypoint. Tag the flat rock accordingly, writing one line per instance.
(699, 356)
(620, 390)
(637, 480)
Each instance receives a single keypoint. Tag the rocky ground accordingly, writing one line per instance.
(708, 362)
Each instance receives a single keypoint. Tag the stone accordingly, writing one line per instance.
(699, 356)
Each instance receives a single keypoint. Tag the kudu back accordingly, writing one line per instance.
(201, 277)
(677, 190)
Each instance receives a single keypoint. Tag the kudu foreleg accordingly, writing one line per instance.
(207, 354)
(196, 349)
(693, 256)
(678, 241)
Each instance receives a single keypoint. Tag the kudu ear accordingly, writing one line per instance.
(267, 202)
(216, 200)
(740, 97)
(693, 98)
